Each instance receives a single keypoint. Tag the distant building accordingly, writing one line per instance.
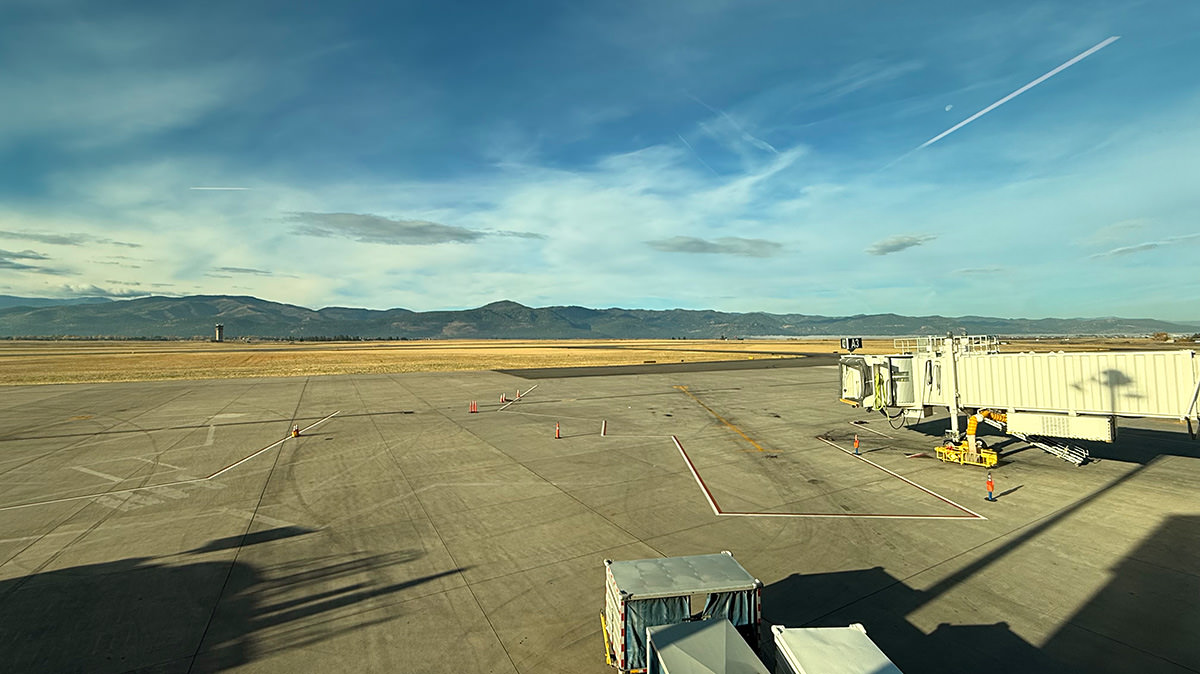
(220, 337)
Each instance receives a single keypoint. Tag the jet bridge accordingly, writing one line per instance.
(1044, 396)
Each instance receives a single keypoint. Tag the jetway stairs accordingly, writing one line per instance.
(1063, 450)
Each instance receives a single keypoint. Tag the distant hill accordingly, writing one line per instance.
(7, 301)
(187, 317)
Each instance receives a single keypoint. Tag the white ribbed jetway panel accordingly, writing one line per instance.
(1137, 384)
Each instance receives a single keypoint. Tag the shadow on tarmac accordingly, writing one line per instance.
(1133, 445)
(1006, 492)
(1144, 619)
(159, 615)
(252, 538)
(884, 603)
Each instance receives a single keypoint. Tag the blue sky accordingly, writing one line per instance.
(741, 156)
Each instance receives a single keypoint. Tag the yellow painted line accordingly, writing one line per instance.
(722, 419)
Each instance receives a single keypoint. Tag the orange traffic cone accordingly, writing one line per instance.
(557, 434)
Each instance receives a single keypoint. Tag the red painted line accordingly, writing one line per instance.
(862, 516)
(696, 474)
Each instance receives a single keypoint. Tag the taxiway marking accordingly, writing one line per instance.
(157, 463)
(200, 480)
(89, 471)
(722, 419)
(519, 396)
(719, 512)
(258, 517)
(870, 430)
(864, 459)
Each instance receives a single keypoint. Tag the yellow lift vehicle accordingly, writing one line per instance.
(962, 453)
(972, 451)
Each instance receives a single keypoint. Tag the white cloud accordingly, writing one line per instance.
(895, 244)
(1117, 231)
(1149, 245)
(92, 290)
(596, 217)
(726, 245)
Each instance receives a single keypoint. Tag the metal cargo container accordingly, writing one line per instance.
(829, 650)
(644, 593)
(700, 647)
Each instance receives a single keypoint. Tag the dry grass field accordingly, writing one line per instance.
(46, 362)
(38, 362)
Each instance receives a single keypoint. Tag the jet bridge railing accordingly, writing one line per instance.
(962, 344)
(1060, 395)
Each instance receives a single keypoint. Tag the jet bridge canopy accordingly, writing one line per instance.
(965, 375)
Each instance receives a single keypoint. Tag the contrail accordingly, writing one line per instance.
(697, 155)
(1020, 91)
(746, 135)
(231, 189)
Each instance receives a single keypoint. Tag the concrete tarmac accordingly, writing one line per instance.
(404, 533)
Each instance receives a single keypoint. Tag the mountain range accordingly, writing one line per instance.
(250, 317)
(7, 301)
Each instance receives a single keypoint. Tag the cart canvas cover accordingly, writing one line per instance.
(643, 593)
(700, 647)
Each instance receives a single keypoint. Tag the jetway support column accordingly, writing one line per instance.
(949, 346)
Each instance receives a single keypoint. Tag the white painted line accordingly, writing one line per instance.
(198, 481)
(250, 517)
(554, 416)
(106, 494)
(712, 503)
(201, 480)
(640, 437)
(106, 476)
(870, 430)
(902, 478)
(170, 492)
(20, 539)
(852, 516)
(271, 446)
(158, 463)
(131, 502)
(212, 432)
(519, 396)
(115, 503)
